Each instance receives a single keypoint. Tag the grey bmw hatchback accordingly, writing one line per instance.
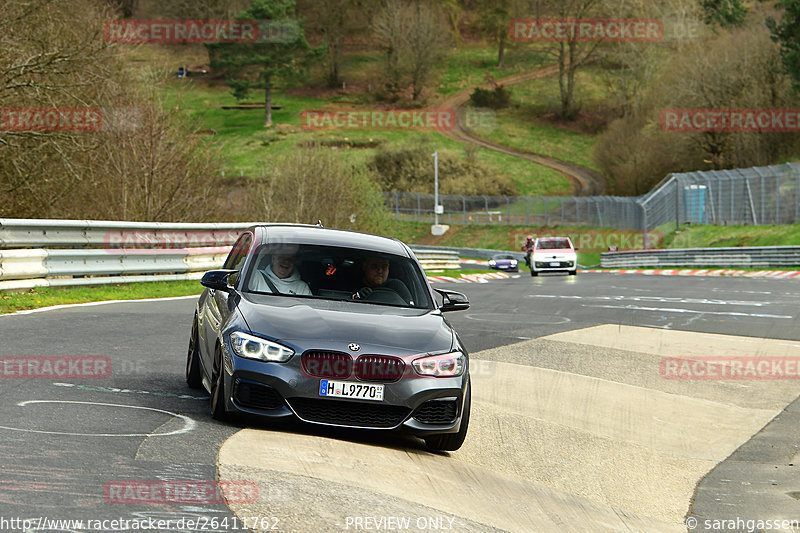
(332, 327)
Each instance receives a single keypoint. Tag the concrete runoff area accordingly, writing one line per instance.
(576, 431)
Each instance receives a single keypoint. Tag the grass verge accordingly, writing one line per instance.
(11, 302)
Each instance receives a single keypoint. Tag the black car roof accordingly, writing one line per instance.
(308, 234)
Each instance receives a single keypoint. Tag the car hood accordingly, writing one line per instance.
(306, 324)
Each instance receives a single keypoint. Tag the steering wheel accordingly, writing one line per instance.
(383, 295)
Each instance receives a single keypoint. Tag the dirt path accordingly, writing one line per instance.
(585, 182)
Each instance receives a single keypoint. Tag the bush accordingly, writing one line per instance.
(313, 184)
(410, 169)
(498, 98)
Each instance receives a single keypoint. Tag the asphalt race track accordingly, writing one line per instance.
(577, 424)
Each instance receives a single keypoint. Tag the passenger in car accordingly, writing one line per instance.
(376, 275)
(280, 277)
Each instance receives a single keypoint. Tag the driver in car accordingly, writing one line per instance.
(376, 276)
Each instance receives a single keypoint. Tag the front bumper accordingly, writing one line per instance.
(413, 404)
(555, 265)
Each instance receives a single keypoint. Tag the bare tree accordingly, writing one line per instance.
(413, 40)
(143, 163)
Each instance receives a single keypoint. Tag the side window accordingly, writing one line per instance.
(239, 252)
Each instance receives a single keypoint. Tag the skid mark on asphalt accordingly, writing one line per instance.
(116, 390)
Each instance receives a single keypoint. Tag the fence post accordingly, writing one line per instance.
(677, 203)
(396, 204)
(763, 211)
(644, 227)
(546, 213)
(527, 210)
(486, 203)
(508, 209)
(419, 206)
(796, 192)
(561, 198)
(464, 208)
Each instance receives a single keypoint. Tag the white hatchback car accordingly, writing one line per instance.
(554, 254)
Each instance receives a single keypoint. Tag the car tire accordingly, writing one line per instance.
(534, 273)
(218, 410)
(573, 272)
(194, 377)
(450, 442)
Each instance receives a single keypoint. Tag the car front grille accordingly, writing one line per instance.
(437, 412)
(379, 368)
(344, 413)
(327, 364)
(256, 395)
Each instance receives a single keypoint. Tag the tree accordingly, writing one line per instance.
(139, 163)
(256, 65)
(725, 13)
(787, 35)
(413, 41)
(493, 19)
(571, 55)
(736, 70)
(334, 20)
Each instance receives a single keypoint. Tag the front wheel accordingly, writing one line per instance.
(194, 377)
(573, 272)
(218, 411)
(450, 442)
(534, 273)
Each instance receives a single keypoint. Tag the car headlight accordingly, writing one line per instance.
(513, 262)
(250, 347)
(445, 365)
(492, 262)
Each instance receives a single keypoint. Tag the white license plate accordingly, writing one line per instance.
(554, 264)
(350, 389)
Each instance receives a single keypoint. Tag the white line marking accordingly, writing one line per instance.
(669, 310)
(188, 423)
(664, 299)
(90, 304)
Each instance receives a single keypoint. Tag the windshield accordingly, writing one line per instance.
(554, 244)
(337, 273)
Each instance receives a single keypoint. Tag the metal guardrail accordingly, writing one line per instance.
(437, 259)
(478, 253)
(28, 233)
(28, 268)
(749, 257)
(50, 253)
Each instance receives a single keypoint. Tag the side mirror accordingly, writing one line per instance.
(217, 279)
(453, 301)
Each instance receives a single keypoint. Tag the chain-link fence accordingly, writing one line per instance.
(758, 195)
